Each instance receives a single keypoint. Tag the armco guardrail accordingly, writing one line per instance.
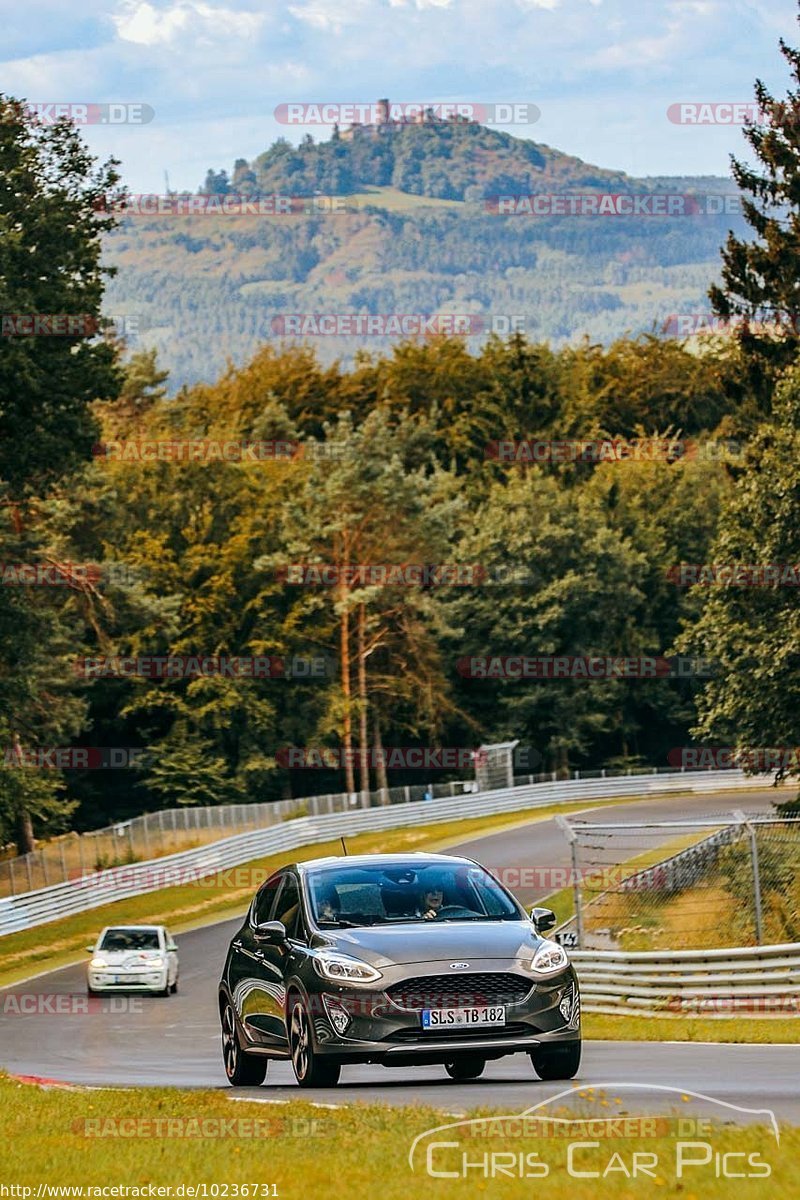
(759, 981)
(684, 869)
(120, 883)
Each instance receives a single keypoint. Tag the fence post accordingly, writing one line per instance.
(11, 876)
(63, 859)
(759, 914)
(28, 869)
(572, 838)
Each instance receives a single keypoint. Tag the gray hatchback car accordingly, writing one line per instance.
(394, 959)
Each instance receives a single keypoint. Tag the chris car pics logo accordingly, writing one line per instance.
(672, 1143)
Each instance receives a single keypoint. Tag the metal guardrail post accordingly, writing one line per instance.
(571, 836)
(759, 914)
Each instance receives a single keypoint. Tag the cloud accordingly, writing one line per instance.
(142, 23)
(602, 72)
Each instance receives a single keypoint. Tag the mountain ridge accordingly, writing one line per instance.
(209, 292)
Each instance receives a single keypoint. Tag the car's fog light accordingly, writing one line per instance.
(565, 1006)
(340, 1017)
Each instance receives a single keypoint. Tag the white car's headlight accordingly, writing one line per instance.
(340, 969)
(98, 964)
(156, 962)
(549, 959)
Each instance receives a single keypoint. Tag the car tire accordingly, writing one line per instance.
(166, 990)
(309, 1069)
(469, 1066)
(242, 1069)
(557, 1062)
(174, 987)
(90, 991)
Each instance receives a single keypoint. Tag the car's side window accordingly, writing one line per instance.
(288, 908)
(265, 900)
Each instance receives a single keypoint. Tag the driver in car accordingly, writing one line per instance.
(329, 906)
(431, 904)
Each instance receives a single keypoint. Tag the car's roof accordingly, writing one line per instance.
(123, 925)
(417, 857)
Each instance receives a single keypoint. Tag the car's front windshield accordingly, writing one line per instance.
(345, 896)
(130, 939)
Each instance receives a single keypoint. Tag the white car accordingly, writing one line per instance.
(124, 957)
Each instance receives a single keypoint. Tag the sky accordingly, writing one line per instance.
(601, 73)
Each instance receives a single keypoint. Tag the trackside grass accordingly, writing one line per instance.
(161, 1138)
(679, 1028)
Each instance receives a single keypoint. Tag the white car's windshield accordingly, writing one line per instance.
(130, 939)
(380, 895)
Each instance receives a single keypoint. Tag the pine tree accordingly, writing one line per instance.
(53, 198)
(761, 278)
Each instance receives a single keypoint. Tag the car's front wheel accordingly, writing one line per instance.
(470, 1066)
(242, 1069)
(309, 1069)
(557, 1062)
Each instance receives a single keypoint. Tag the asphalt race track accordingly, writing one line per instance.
(175, 1041)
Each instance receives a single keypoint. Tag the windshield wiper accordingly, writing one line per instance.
(341, 923)
(481, 917)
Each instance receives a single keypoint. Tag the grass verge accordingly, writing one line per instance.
(75, 1138)
(678, 1028)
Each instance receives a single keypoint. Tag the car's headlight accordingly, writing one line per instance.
(340, 969)
(549, 959)
(156, 963)
(98, 964)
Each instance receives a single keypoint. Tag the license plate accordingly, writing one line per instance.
(447, 1018)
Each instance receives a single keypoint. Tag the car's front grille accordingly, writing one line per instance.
(462, 1033)
(458, 991)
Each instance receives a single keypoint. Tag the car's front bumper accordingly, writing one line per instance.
(127, 981)
(379, 1031)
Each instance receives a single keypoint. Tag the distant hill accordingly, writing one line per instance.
(444, 160)
(417, 237)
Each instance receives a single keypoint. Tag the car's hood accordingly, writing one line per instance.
(383, 945)
(116, 958)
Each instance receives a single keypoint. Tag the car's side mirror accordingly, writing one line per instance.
(90, 949)
(543, 918)
(273, 932)
(171, 946)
